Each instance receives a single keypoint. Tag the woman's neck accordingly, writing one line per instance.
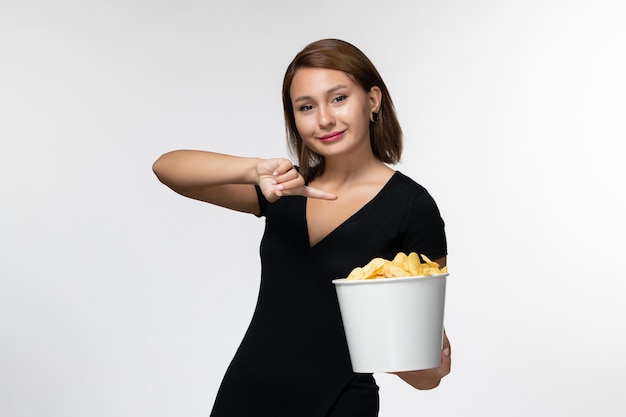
(340, 172)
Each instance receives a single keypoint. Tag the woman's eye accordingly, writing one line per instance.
(306, 107)
(340, 98)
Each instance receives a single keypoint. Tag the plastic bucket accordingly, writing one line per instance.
(393, 324)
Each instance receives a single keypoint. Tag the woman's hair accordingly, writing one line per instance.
(385, 134)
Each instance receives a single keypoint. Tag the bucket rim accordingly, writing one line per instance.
(378, 281)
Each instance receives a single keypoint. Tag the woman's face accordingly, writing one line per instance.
(332, 112)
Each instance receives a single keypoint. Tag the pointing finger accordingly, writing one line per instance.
(315, 193)
(310, 192)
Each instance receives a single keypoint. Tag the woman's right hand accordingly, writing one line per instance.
(278, 177)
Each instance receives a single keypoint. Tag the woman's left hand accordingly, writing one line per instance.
(430, 378)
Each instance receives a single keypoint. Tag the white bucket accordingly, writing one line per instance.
(393, 324)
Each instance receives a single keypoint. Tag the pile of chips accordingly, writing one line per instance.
(402, 265)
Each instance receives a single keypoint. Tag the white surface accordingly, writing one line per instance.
(114, 299)
(393, 324)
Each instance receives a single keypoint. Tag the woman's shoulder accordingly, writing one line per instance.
(403, 182)
(414, 194)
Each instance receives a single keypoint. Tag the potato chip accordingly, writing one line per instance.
(392, 270)
(401, 259)
(414, 263)
(374, 268)
(429, 262)
(357, 273)
(402, 265)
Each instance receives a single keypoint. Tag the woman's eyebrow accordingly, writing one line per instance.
(329, 92)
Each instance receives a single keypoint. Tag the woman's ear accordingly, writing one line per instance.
(375, 97)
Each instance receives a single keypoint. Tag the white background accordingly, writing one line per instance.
(120, 298)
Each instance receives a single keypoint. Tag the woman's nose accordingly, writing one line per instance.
(325, 117)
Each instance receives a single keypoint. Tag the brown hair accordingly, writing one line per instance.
(335, 54)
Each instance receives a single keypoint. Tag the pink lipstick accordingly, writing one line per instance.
(332, 136)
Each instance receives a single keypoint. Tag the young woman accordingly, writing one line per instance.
(342, 206)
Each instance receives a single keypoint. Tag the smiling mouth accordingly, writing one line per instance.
(331, 136)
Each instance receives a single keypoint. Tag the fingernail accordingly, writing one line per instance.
(446, 351)
(280, 187)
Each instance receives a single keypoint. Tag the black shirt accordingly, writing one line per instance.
(293, 360)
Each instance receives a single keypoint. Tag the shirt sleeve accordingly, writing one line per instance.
(262, 201)
(425, 229)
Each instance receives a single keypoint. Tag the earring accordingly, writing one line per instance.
(374, 117)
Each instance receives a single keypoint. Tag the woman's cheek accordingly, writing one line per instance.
(305, 128)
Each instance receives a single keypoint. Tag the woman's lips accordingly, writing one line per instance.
(332, 136)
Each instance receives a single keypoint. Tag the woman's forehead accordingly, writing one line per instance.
(318, 80)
